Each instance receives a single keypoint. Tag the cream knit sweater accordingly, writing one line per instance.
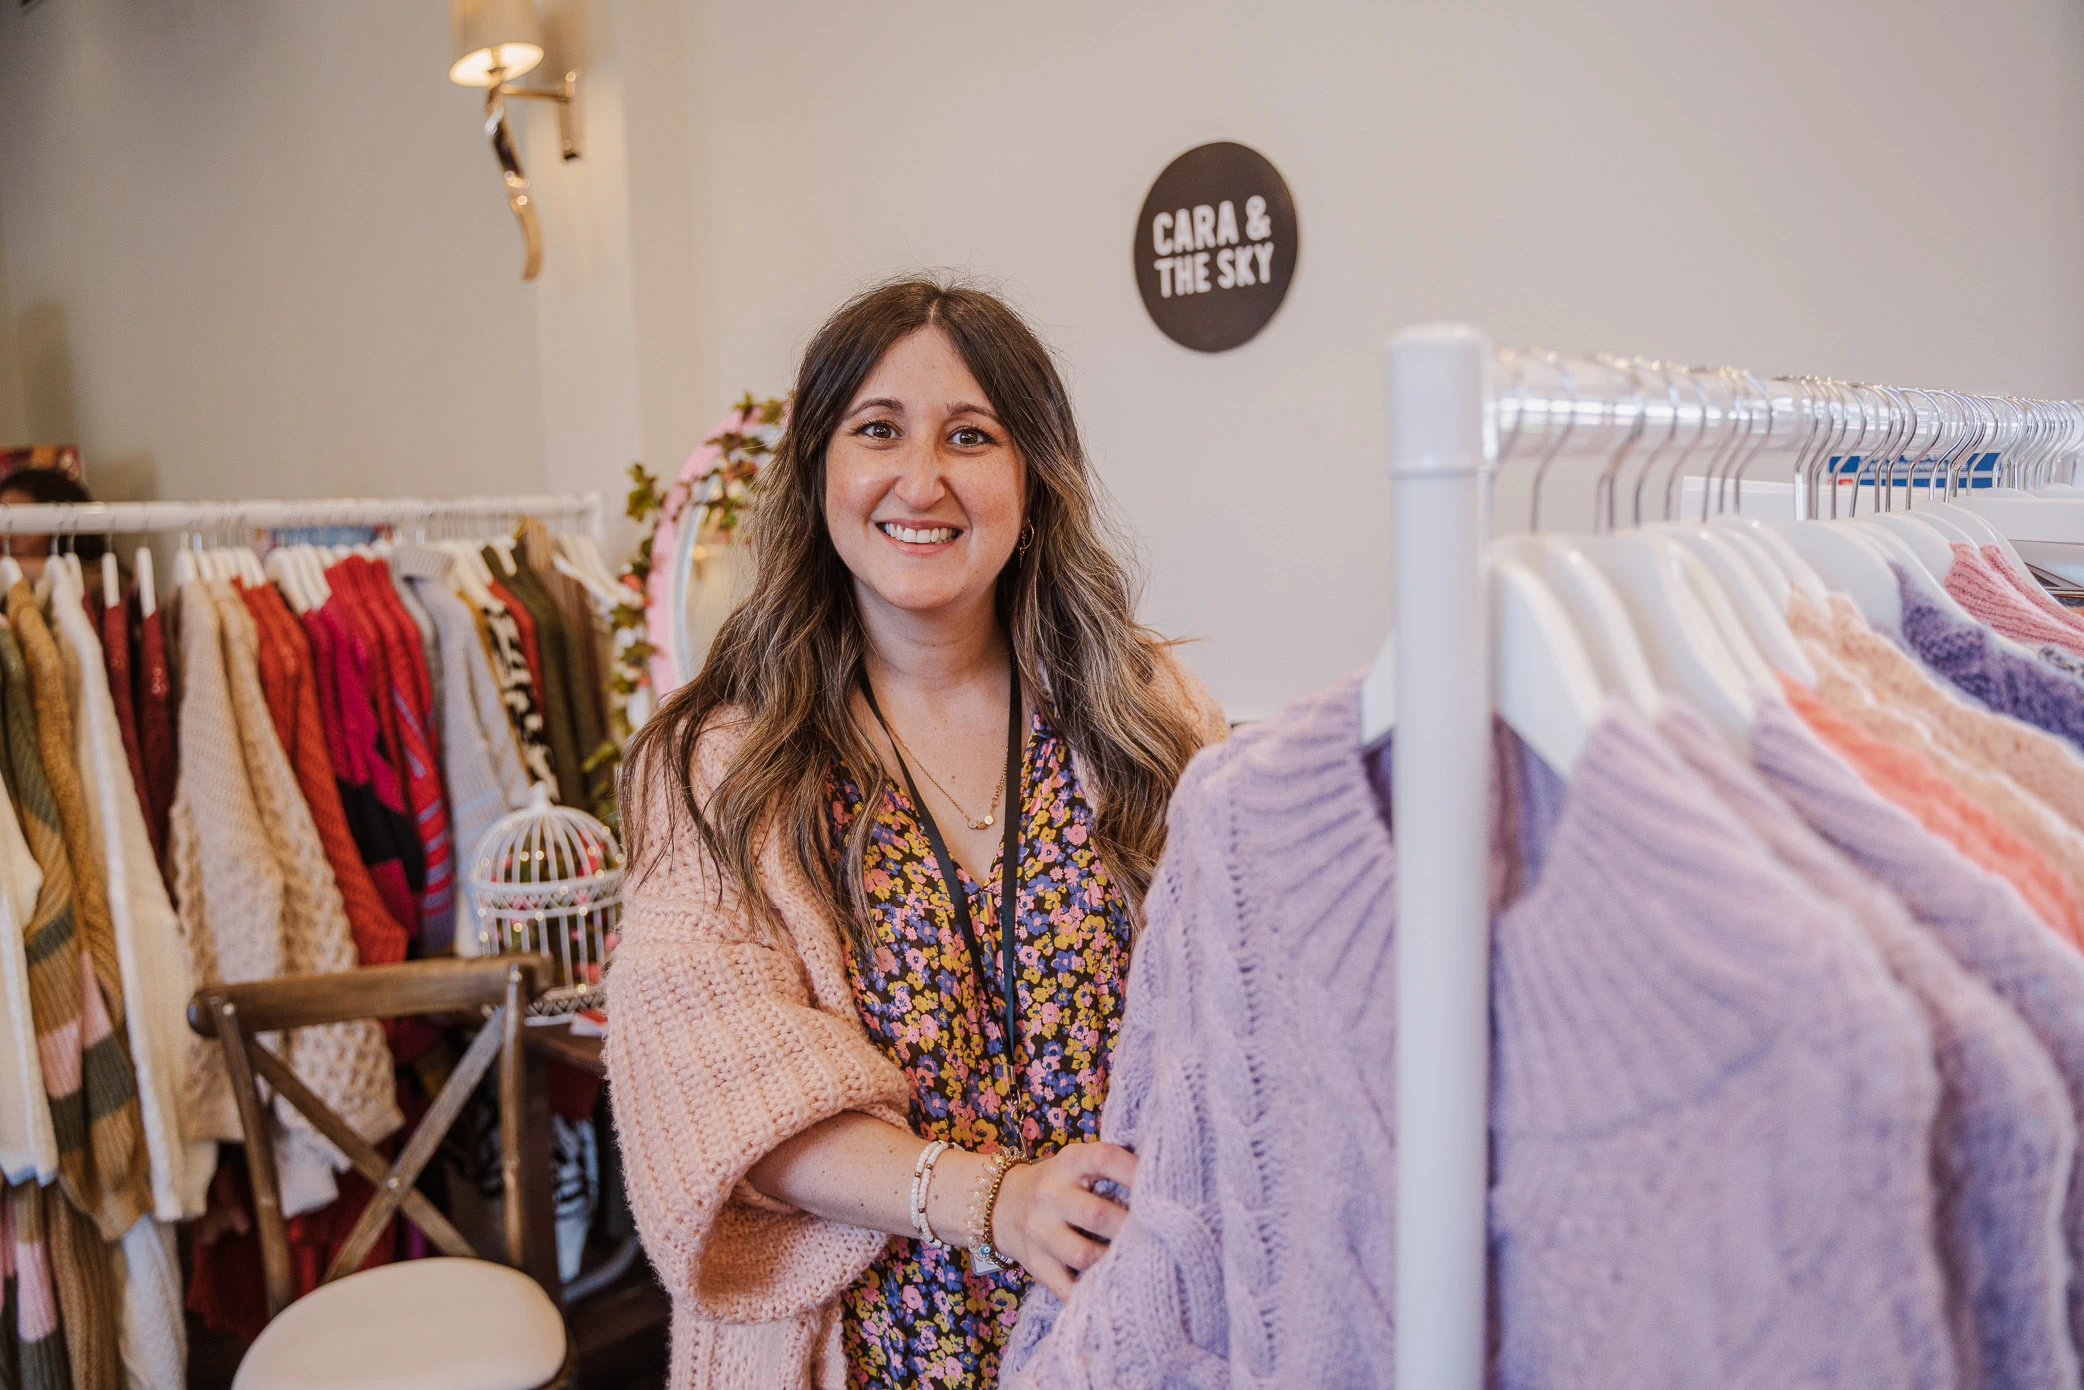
(723, 1045)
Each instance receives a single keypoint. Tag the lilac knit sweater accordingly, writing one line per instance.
(2004, 1137)
(1975, 914)
(1712, 1116)
(1968, 655)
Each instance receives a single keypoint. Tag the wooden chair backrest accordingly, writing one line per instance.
(236, 1015)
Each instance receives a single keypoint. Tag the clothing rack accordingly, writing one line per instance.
(1445, 422)
(267, 514)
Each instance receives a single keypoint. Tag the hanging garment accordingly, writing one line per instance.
(2005, 1137)
(37, 1343)
(517, 690)
(289, 683)
(1969, 657)
(524, 623)
(480, 761)
(2039, 762)
(554, 686)
(1690, 1051)
(2056, 840)
(1904, 777)
(86, 1068)
(55, 745)
(368, 789)
(112, 628)
(227, 886)
(410, 692)
(2023, 583)
(1992, 598)
(101, 1189)
(148, 934)
(155, 724)
(28, 1146)
(345, 1064)
(430, 651)
(591, 655)
(1976, 914)
(362, 646)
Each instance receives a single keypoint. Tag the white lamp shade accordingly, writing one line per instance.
(492, 35)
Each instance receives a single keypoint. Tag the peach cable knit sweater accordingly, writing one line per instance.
(724, 1044)
(2059, 843)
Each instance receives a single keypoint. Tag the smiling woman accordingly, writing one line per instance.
(891, 846)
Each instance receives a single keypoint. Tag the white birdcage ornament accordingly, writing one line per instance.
(549, 879)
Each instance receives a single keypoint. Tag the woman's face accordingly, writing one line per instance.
(924, 491)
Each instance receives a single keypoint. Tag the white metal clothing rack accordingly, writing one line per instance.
(267, 514)
(1444, 431)
(1441, 444)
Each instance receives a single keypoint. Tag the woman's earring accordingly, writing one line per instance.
(1027, 538)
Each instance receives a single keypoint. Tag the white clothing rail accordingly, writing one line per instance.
(1441, 444)
(276, 513)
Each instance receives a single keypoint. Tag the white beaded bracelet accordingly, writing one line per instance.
(922, 1178)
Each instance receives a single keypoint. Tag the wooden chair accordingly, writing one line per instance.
(462, 1321)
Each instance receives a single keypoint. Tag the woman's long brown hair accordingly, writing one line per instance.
(785, 663)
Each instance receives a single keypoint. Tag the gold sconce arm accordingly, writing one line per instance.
(567, 99)
(520, 198)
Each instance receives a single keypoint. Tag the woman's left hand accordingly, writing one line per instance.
(1047, 1214)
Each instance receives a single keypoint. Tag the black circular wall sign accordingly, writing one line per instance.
(1215, 246)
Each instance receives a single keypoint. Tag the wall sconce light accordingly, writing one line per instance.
(495, 41)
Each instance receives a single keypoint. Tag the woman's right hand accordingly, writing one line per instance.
(1047, 1213)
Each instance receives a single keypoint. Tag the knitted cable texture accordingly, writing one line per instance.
(2058, 844)
(347, 1065)
(55, 742)
(1988, 595)
(227, 885)
(37, 1341)
(1967, 655)
(85, 1065)
(289, 681)
(2023, 583)
(148, 936)
(1907, 778)
(2042, 764)
(1690, 1052)
(2004, 1138)
(1974, 913)
(725, 1044)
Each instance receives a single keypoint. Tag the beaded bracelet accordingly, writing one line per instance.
(985, 1257)
(922, 1179)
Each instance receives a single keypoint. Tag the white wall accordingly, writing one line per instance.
(1884, 190)
(258, 248)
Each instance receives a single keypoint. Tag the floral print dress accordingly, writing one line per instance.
(917, 1316)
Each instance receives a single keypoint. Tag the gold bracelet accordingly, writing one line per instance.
(985, 1257)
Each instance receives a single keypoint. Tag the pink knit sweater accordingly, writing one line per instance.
(725, 1044)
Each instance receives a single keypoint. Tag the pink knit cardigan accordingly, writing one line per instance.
(725, 1043)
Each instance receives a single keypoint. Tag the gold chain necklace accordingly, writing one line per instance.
(990, 817)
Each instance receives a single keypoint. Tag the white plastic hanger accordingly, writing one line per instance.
(1605, 632)
(1662, 589)
(147, 592)
(1543, 684)
(1764, 617)
(111, 580)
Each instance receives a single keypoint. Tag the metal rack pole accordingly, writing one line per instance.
(1440, 441)
(263, 514)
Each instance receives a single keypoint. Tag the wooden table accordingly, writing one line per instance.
(558, 1041)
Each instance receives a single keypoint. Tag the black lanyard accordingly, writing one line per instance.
(1009, 875)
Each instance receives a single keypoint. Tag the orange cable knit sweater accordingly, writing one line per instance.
(724, 1044)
